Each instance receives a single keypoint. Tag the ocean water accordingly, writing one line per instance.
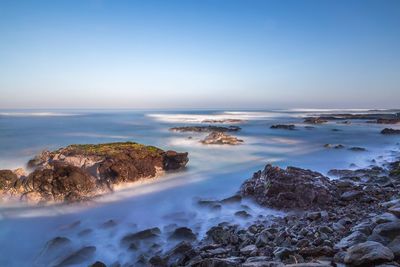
(213, 172)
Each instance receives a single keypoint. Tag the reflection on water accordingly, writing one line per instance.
(213, 172)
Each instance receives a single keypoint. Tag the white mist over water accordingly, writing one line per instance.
(213, 172)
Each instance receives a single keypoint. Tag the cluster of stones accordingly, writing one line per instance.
(353, 220)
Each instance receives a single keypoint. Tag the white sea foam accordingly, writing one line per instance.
(199, 118)
(37, 114)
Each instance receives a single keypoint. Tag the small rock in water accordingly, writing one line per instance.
(98, 264)
(357, 149)
(141, 235)
(283, 126)
(109, 224)
(220, 138)
(242, 214)
(183, 233)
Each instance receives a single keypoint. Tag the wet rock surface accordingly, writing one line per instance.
(328, 222)
(284, 126)
(289, 188)
(80, 172)
(389, 131)
(221, 138)
(380, 118)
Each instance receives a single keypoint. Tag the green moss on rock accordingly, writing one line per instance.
(108, 149)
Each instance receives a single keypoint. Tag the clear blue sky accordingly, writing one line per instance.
(199, 54)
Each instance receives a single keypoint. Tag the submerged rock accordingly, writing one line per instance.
(389, 131)
(141, 235)
(80, 256)
(183, 233)
(283, 126)
(315, 120)
(220, 138)
(289, 188)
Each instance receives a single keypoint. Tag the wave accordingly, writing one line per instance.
(203, 118)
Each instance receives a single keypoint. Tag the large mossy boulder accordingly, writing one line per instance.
(78, 172)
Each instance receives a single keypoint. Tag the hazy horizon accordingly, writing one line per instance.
(199, 54)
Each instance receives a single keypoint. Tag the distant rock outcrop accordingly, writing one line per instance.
(220, 138)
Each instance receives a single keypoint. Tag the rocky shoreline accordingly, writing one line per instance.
(351, 221)
(81, 172)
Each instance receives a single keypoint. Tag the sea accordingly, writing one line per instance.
(213, 172)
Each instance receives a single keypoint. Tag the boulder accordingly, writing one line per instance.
(80, 172)
(221, 138)
(61, 183)
(367, 254)
(289, 188)
(183, 233)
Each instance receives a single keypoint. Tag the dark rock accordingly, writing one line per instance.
(368, 253)
(222, 235)
(7, 179)
(289, 188)
(395, 210)
(357, 149)
(350, 240)
(283, 253)
(62, 183)
(222, 121)
(388, 121)
(265, 263)
(217, 262)
(232, 199)
(247, 250)
(80, 172)
(179, 254)
(109, 224)
(80, 256)
(98, 264)
(141, 235)
(395, 247)
(221, 138)
(242, 214)
(389, 131)
(385, 232)
(183, 233)
(351, 195)
(283, 126)
(315, 120)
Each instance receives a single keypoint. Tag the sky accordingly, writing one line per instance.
(200, 54)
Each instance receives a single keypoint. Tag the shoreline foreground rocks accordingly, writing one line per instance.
(80, 172)
(353, 220)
